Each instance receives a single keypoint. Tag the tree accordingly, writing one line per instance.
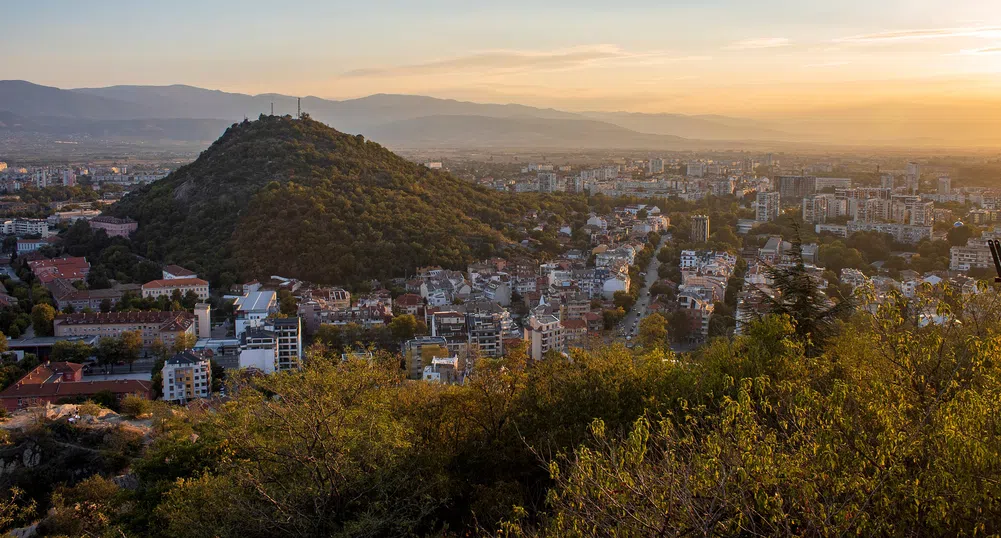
(42, 316)
(135, 406)
(612, 317)
(403, 327)
(679, 326)
(159, 350)
(653, 330)
(131, 346)
(70, 351)
(959, 235)
(184, 341)
(109, 351)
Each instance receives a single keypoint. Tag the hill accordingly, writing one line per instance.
(299, 199)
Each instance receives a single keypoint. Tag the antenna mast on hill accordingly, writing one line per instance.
(272, 108)
(298, 107)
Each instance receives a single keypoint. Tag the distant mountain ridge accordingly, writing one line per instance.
(398, 120)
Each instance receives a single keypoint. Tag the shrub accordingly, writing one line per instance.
(135, 406)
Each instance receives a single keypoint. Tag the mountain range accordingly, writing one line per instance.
(407, 121)
(198, 115)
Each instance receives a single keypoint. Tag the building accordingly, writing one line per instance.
(55, 381)
(695, 169)
(543, 333)
(68, 269)
(162, 326)
(288, 332)
(912, 178)
(113, 226)
(886, 181)
(769, 206)
(656, 166)
(67, 295)
(186, 376)
(700, 228)
(815, 209)
(420, 352)
(944, 184)
(252, 308)
(172, 272)
(167, 287)
(794, 188)
(975, 254)
(259, 350)
(833, 183)
(24, 227)
(443, 370)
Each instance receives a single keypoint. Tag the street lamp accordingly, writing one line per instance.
(995, 247)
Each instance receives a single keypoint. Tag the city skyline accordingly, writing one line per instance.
(721, 56)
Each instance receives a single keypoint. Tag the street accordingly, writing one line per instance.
(639, 309)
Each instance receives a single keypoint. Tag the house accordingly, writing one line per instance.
(443, 370)
(162, 326)
(66, 295)
(575, 332)
(409, 303)
(186, 376)
(55, 381)
(167, 287)
(25, 246)
(171, 272)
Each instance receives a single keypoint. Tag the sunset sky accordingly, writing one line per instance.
(690, 56)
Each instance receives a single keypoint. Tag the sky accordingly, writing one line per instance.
(742, 57)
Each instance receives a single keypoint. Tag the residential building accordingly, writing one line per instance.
(54, 381)
(443, 370)
(794, 188)
(543, 333)
(259, 350)
(419, 352)
(252, 308)
(700, 228)
(815, 209)
(23, 227)
(113, 226)
(162, 326)
(944, 184)
(975, 254)
(288, 332)
(768, 207)
(656, 166)
(187, 376)
(833, 183)
(167, 287)
(575, 332)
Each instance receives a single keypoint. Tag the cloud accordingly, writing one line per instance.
(922, 34)
(760, 43)
(985, 50)
(519, 60)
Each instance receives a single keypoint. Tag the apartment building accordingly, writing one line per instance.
(163, 326)
(187, 376)
(700, 228)
(543, 333)
(769, 206)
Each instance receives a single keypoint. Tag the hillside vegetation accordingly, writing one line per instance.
(886, 428)
(297, 198)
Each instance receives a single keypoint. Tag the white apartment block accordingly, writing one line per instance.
(186, 376)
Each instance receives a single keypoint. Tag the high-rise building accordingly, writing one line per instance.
(944, 184)
(794, 188)
(886, 180)
(700, 228)
(656, 165)
(695, 169)
(815, 209)
(769, 206)
(912, 177)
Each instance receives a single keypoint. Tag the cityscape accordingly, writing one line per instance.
(452, 292)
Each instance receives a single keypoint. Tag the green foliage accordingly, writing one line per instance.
(42, 316)
(331, 207)
(135, 406)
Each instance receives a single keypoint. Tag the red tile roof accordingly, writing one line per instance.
(574, 324)
(47, 381)
(409, 299)
(56, 268)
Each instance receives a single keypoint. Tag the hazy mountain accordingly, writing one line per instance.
(27, 100)
(482, 131)
(704, 127)
(151, 130)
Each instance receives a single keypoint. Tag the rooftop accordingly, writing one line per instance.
(174, 283)
(256, 301)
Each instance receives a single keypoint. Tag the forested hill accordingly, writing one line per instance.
(296, 198)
